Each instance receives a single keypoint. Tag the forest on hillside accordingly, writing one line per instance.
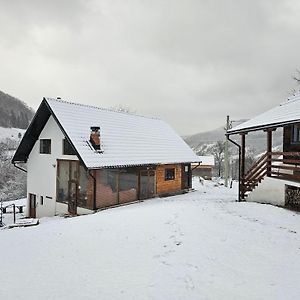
(14, 112)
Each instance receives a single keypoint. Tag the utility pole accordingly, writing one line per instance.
(226, 154)
(1, 212)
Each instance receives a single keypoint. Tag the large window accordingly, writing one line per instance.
(67, 148)
(71, 172)
(169, 174)
(45, 146)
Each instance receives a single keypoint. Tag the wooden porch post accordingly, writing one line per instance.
(269, 150)
(242, 170)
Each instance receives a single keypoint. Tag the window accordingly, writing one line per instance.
(169, 174)
(67, 148)
(296, 133)
(42, 200)
(45, 146)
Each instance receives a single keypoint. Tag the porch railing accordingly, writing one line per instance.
(281, 165)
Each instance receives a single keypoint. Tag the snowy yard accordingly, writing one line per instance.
(201, 245)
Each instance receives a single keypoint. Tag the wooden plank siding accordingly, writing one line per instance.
(165, 186)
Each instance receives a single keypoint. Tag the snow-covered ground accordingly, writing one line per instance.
(202, 245)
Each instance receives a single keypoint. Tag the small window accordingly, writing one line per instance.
(42, 200)
(67, 148)
(296, 133)
(45, 146)
(169, 174)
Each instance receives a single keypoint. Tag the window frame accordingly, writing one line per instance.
(169, 177)
(42, 150)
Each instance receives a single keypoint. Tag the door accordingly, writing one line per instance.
(72, 199)
(32, 206)
(185, 176)
(147, 184)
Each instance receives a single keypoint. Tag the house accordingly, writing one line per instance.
(275, 177)
(205, 168)
(82, 158)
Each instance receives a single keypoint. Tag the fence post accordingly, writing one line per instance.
(14, 210)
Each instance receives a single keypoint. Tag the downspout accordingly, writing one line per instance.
(196, 166)
(94, 193)
(19, 168)
(239, 146)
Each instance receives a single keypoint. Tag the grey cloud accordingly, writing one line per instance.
(190, 62)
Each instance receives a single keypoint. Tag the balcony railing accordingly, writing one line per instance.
(281, 165)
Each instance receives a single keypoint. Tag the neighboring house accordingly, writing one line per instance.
(275, 177)
(82, 158)
(205, 169)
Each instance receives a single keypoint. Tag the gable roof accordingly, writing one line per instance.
(286, 113)
(126, 140)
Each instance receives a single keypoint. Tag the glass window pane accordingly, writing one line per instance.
(128, 186)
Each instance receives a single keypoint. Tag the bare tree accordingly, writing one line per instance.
(218, 151)
(123, 108)
(12, 180)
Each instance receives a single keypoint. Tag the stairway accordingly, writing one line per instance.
(254, 176)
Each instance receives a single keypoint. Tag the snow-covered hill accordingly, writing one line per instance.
(254, 140)
(201, 245)
(11, 133)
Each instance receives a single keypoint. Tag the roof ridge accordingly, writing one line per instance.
(100, 108)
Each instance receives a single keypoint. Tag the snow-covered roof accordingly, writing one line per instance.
(207, 160)
(286, 113)
(126, 139)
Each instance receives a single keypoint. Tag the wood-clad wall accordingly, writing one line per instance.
(165, 186)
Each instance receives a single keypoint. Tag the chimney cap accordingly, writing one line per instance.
(95, 128)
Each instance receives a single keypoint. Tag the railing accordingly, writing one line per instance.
(272, 164)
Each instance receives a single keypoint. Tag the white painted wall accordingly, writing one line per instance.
(271, 191)
(42, 169)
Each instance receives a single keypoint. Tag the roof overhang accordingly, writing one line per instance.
(33, 132)
(261, 127)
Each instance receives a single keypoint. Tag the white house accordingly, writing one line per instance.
(275, 177)
(82, 158)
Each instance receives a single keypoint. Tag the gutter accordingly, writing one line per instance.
(20, 168)
(239, 147)
(196, 166)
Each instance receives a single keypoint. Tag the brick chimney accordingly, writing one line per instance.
(95, 137)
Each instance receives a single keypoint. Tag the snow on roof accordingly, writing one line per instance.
(207, 160)
(285, 113)
(126, 139)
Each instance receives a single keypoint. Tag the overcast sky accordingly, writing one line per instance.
(189, 62)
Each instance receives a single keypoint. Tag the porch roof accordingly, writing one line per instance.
(286, 113)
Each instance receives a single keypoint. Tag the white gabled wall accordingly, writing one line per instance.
(42, 169)
(271, 191)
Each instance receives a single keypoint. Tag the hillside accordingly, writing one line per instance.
(254, 140)
(14, 112)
